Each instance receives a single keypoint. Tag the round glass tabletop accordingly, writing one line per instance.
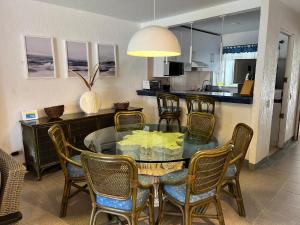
(149, 145)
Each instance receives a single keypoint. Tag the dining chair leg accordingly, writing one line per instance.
(92, 219)
(161, 211)
(151, 208)
(219, 211)
(65, 198)
(239, 199)
(179, 126)
(187, 216)
(159, 122)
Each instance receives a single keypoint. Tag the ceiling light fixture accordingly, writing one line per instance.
(154, 41)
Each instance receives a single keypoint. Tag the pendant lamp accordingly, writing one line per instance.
(154, 41)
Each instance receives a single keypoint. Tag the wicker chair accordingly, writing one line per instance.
(201, 187)
(131, 120)
(70, 164)
(115, 187)
(241, 139)
(12, 177)
(201, 125)
(168, 108)
(200, 103)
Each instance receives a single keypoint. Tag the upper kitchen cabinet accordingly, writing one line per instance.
(205, 50)
(184, 39)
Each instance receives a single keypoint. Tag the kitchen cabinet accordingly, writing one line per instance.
(38, 147)
(206, 49)
(158, 67)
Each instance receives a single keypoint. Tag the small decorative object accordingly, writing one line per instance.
(39, 56)
(247, 89)
(55, 112)
(77, 59)
(30, 115)
(121, 105)
(89, 101)
(107, 55)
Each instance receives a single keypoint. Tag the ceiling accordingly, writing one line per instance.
(138, 10)
(248, 21)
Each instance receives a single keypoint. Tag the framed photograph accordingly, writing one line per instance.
(30, 115)
(77, 58)
(107, 57)
(39, 57)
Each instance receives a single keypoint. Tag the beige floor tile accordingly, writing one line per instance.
(271, 197)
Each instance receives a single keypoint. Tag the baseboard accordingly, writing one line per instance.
(262, 162)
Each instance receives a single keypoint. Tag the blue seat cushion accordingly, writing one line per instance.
(231, 171)
(178, 192)
(174, 177)
(75, 171)
(125, 205)
(170, 109)
(146, 180)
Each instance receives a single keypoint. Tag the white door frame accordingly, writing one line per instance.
(286, 90)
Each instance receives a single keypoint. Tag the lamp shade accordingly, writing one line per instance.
(154, 41)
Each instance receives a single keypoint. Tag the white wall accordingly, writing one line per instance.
(19, 17)
(240, 38)
(275, 17)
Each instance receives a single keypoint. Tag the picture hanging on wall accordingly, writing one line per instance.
(39, 57)
(77, 58)
(107, 56)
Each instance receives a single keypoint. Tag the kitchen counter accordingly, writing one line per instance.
(218, 96)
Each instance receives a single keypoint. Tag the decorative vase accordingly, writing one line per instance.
(89, 102)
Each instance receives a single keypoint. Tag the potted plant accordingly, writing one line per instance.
(89, 101)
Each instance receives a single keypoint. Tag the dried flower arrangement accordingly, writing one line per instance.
(91, 79)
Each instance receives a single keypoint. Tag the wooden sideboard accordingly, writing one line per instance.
(39, 150)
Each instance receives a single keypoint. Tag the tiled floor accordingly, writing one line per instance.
(271, 197)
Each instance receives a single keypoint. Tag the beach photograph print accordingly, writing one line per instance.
(39, 56)
(77, 58)
(107, 60)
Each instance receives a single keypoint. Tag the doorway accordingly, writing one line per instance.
(278, 117)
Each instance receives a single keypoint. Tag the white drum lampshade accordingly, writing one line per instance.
(154, 41)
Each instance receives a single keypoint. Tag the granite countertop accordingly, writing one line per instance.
(218, 96)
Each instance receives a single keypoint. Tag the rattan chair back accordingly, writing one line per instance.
(57, 136)
(201, 125)
(200, 103)
(110, 176)
(168, 104)
(207, 169)
(129, 120)
(241, 138)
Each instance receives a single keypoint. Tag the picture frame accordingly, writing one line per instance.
(107, 59)
(39, 57)
(30, 115)
(77, 58)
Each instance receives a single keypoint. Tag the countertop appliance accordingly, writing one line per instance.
(155, 85)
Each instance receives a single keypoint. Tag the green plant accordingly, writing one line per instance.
(91, 79)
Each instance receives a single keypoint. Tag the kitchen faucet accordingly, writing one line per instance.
(204, 84)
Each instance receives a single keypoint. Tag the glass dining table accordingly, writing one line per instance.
(156, 151)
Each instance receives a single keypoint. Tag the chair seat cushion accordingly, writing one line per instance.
(75, 171)
(231, 171)
(126, 205)
(170, 109)
(178, 192)
(146, 180)
(174, 177)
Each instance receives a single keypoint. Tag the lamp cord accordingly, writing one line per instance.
(154, 13)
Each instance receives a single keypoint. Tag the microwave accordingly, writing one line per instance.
(172, 68)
